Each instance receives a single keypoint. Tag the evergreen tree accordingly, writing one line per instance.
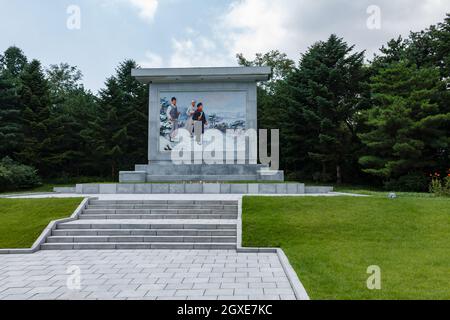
(431, 47)
(132, 110)
(323, 99)
(394, 51)
(407, 129)
(10, 119)
(35, 101)
(13, 62)
(63, 79)
(109, 135)
(121, 124)
(271, 112)
(72, 107)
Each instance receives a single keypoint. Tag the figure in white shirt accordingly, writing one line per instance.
(190, 113)
(173, 116)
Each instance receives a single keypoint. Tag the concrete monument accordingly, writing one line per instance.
(216, 99)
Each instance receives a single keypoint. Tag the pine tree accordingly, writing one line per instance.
(271, 111)
(132, 111)
(72, 107)
(13, 62)
(35, 101)
(407, 129)
(10, 119)
(108, 134)
(323, 98)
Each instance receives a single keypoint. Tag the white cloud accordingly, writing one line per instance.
(152, 60)
(197, 51)
(291, 26)
(147, 8)
(252, 26)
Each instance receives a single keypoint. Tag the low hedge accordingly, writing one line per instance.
(16, 176)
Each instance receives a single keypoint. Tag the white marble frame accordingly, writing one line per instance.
(154, 153)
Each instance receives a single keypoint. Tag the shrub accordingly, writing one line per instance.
(440, 188)
(414, 182)
(14, 176)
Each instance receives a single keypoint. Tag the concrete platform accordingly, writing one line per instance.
(196, 188)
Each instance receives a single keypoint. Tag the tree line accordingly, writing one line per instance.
(342, 118)
(49, 121)
(345, 119)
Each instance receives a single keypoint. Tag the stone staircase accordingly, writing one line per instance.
(149, 225)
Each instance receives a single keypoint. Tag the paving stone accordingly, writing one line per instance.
(263, 285)
(234, 285)
(132, 294)
(190, 293)
(152, 286)
(234, 297)
(39, 290)
(180, 286)
(222, 280)
(206, 286)
(249, 280)
(161, 293)
(105, 295)
(143, 274)
(219, 292)
(203, 298)
(288, 297)
(10, 291)
(277, 291)
(254, 292)
(264, 297)
(196, 280)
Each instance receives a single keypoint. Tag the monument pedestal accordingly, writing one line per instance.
(168, 172)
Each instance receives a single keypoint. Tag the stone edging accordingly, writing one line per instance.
(7, 196)
(196, 188)
(47, 231)
(297, 286)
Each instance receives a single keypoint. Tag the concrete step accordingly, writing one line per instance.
(157, 211)
(164, 202)
(140, 239)
(147, 225)
(163, 207)
(156, 216)
(168, 169)
(137, 232)
(138, 246)
(203, 177)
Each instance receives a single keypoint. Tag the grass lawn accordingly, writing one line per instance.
(331, 241)
(23, 220)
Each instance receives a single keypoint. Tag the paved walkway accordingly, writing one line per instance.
(149, 274)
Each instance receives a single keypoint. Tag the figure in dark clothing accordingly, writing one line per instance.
(200, 116)
(199, 119)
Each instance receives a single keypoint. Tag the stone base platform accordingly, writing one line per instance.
(169, 172)
(196, 188)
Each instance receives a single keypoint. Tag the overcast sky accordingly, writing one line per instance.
(182, 33)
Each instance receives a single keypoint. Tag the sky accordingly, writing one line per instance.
(96, 35)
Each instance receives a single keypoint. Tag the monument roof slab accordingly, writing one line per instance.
(165, 75)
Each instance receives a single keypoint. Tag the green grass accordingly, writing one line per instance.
(331, 241)
(23, 220)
